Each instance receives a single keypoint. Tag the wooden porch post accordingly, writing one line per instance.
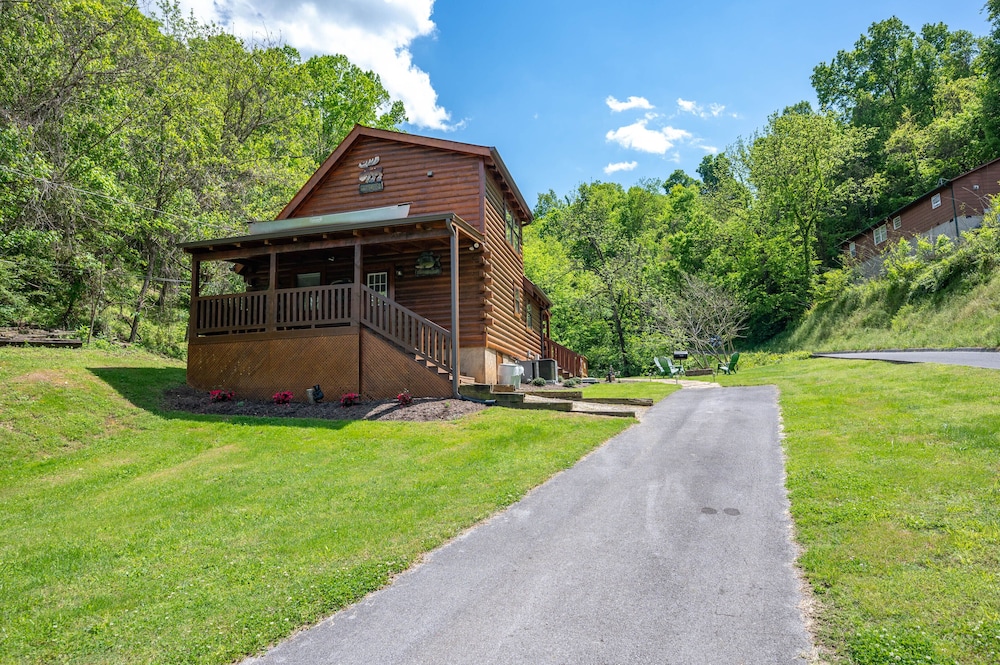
(195, 293)
(455, 369)
(356, 308)
(272, 294)
(356, 291)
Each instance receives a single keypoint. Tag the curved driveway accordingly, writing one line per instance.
(987, 359)
(669, 544)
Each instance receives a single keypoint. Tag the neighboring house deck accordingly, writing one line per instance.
(950, 209)
(393, 244)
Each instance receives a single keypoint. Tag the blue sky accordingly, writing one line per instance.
(572, 92)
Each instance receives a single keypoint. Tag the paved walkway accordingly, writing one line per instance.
(987, 359)
(670, 544)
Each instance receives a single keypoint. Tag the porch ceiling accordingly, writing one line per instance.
(389, 236)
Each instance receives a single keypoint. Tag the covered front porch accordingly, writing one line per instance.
(350, 305)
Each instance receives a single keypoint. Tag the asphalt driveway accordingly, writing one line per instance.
(987, 359)
(670, 544)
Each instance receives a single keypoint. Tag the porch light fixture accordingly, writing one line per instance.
(399, 272)
(474, 246)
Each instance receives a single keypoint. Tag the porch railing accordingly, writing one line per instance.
(313, 306)
(406, 328)
(307, 307)
(238, 312)
(570, 362)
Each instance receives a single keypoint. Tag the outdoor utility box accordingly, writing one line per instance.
(530, 369)
(680, 355)
(510, 374)
(548, 369)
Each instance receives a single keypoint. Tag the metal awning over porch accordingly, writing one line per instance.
(408, 229)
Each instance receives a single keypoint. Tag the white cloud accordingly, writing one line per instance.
(631, 103)
(688, 106)
(373, 34)
(711, 149)
(638, 136)
(694, 108)
(620, 166)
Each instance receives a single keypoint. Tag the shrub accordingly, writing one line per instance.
(404, 398)
(349, 399)
(571, 383)
(221, 395)
(538, 381)
(283, 397)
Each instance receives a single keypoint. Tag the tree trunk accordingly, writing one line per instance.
(142, 297)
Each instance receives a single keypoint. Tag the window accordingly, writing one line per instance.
(527, 315)
(936, 201)
(897, 221)
(512, 227)
(378, 282)
(517, 300)
(307, 279)
(853, 249)
(880, 234)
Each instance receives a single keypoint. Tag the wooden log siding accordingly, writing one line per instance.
(407, 329)
(454, 187)
(508, 332)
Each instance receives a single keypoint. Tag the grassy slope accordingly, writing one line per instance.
(132, 535)
(894, 479)
(963, 319)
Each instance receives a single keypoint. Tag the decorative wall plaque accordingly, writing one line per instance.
(428, 263)
(371, 176)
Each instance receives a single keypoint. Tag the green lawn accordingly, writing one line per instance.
(894, 479)
(132, 535)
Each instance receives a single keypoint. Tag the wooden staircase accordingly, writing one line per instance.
(422, 340)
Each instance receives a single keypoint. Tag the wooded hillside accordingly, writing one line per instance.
(763, 221)
(121, 135)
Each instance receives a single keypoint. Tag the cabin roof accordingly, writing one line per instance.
(309, 233)
(488, 153)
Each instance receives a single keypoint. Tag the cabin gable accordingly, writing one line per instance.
(431, 180)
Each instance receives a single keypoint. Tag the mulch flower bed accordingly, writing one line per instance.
(185, 398)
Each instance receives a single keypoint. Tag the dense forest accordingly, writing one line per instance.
(763, 221)
(122, 135)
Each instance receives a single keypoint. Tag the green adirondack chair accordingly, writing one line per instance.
(730, 367)
(667, 366)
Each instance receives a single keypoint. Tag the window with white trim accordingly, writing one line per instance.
(378, 282)
(853, 249)
(897, 221)
(527, 314)
(936, 201)
(880, 234)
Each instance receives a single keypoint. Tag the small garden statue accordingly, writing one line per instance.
(317, 394)
(611, 375)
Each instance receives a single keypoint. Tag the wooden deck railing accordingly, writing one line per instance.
(313, 306)
(406, 328)
(569, 362)
(238, 312)
(307, 307)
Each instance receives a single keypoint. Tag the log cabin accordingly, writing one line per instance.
(396, 267)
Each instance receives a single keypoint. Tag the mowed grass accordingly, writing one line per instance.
(132, 535)
(894, 480)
